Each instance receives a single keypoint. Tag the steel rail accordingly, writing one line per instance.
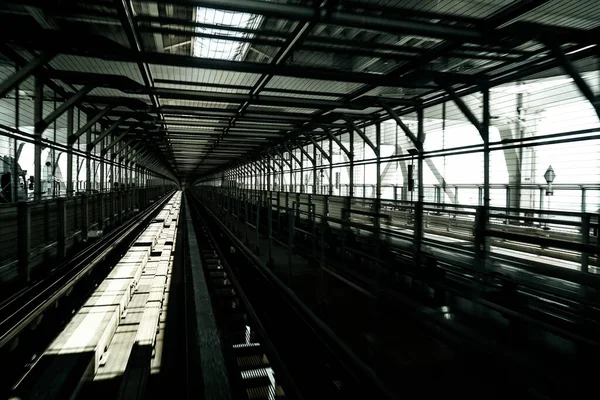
(32, 308)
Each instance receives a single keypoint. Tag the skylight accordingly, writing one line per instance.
(219, 48)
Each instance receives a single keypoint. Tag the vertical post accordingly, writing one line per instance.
(246, 206)
(69, 153)
(291, 173)
(330, 167)
(61, 208)
(258, 202)
(111, 185)
(486, 153)
(23, 240)
(301, 172)
(270, 262)
(15, 166)
(418, 228)
(583, 196)
(351, 186)
(88, 161)
(120, 180)
(508, 194)
(102, 186)
(585, 239)
(38, 116)
(482, 217)
(291, 231)
(315, 180)
(378, 182)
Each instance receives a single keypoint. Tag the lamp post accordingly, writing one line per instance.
(549, 176)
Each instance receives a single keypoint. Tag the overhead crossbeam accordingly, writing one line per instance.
(134, 148)
(569, 68)
(105, 133)
(353, 127)
(314, 142)
(73, 138)
(288, 162)
(413, 138)
(309, 156)
(348, 18)
(116, 140)
(289, 149)
(64, 107)
(126, 144)
(462, 106)
(23, 73)
(338, 142)
(278, 163)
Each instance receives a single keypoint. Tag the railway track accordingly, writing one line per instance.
(495, 311)
(307, 359)
(31, 318)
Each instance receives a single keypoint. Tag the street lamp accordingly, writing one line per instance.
(549, 176)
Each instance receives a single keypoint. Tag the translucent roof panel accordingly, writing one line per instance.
(219, 48)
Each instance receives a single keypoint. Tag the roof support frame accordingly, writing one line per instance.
(570, 69)
(291, 151)
(303, 150)
(337, 141)
(115, 140)
(73, 138)
(353, 127)
(123, 146)
(24, 72)
(413, 138)
(63, 108)
(341, 17)
(461, 105)
(314, 142)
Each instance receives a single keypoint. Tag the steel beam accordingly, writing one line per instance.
(289, 149)
(418, 228)
(400, 123)
(310, 158)
(116, 140)
(73, 138)
(106, 132)
(288, 162)
(126, 15)
(461, 105)
(71, 102)
(121, 148)
(569, 68)
(361, 20)
(220, 97)
(70, 116)
(337, 141)
(323, 152)
(38, 113)
(352, 127)
(24, 72)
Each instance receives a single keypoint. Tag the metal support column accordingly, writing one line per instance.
(485, 134)
(351, 172)
(330, 191)
(418, 229)
(37, 117)
(16, 154)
